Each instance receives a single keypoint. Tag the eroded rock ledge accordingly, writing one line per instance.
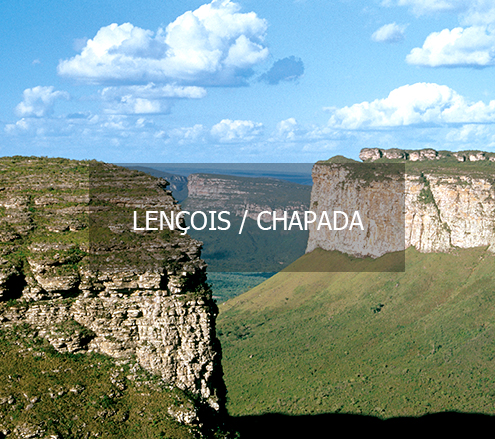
(447, 204)
(374, 154)
(72, 269)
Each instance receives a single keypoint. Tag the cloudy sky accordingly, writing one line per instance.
(245, 80)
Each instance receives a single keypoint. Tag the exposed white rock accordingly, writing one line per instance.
(442, 210)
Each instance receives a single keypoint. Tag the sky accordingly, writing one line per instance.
(244, 81)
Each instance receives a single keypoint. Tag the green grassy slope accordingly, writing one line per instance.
(50, 394)
(382, 344)
(225, 286)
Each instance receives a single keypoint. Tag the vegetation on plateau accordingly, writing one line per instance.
(382, 344)
(44, 393)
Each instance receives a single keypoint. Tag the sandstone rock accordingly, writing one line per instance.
(370, 154)
(379, 202)
(373, 154)
(87, 283)
(209, 192)
(444, 209)
(394, 154)
(477, 156)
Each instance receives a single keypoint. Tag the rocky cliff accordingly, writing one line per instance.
(448, 201)
(73, 270)
(236, 194)
(402, 155)
(254, 250)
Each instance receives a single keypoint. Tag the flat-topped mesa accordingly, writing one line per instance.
(374, 154)
(74, 269)
(449, 201)
(236, 194)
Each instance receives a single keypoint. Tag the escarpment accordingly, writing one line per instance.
(73, 268)
(374, 154)
(237, 194)
(447, 201)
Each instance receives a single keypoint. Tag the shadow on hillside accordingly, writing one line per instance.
(276, 425)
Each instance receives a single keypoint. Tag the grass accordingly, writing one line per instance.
(380, 344)
(226, 286)
(82, 395)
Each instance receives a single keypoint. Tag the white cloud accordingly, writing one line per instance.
(213, 45)
(471, 12)
(151, 91)
(287, 130)
(416, 104)
(232, 131)
(187, 135)
(480, 12)
(39, 101)
(389, 33)
(469, 134)
(290, 131)
(146, 99)
(16, 128)
(421, 7)
(472, 46)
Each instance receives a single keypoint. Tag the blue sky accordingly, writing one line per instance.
(245, 81)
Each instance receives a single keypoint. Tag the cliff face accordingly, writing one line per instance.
(374, 154)
(236, 194)
(446, 210)
(254, 250)
(448, 202)
(380, 201)
(72, 268)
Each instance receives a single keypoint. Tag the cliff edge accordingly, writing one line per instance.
(448, 200)
(72, 269)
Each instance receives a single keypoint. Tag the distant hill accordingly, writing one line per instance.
(356, 338)
(254, 250)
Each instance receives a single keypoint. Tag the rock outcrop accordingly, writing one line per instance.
(72, 267)
(446, 204)
(378, 197)
(374, 154)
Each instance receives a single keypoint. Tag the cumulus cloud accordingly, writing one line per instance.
(472, 46)
(233, 131)
(213, 45)
(188, 135)
(39, 101)
(481, 12)
(285, 69)
(389, 33)
(469, 134)
(291, 131)
(146, 99)
(151, 91)
(416, 104)
(287, 129)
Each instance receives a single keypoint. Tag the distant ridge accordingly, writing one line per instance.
(374, 154)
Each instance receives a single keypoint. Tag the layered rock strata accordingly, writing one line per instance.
(346, 188)
(447, 204)
(72, 267)
(374, 154)
(238, 194)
